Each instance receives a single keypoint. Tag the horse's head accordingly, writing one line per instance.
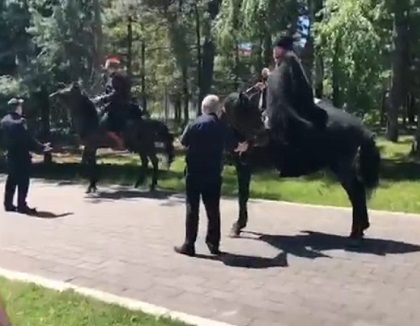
(245, 117)
(67, 94)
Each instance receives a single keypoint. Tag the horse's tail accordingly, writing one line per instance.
(369, 163)
(168, 142)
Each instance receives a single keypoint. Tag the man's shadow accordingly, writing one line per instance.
(246, 261)
(310, 245)
(47, 214)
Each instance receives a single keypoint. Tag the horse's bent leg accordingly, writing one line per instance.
(357, 194)
(144, 161)
(155, 173)
(243, 173)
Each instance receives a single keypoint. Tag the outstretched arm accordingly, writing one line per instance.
(103, 99)
(186, 136)
(27, 138)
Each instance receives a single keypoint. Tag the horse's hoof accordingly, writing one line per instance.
(365, 227)
(235, 232)
(138, 183)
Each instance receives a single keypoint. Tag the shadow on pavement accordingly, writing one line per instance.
(50, 215)
(310, 244)
(118, 194)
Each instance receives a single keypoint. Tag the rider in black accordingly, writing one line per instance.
(117, 101)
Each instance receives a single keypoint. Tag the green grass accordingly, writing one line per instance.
(31, 305)
(399, 189)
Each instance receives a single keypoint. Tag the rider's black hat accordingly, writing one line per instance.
(285, 42)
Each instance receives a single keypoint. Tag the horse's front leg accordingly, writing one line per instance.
(243, 173)
(356, 192)
(144, 162)
(89, 161)
(155, 173)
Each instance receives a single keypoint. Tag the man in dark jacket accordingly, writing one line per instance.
(205, 141)
(116, 100)
(19, 144)
(290, 102)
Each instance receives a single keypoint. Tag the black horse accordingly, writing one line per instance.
(345, 147)
(140, 135)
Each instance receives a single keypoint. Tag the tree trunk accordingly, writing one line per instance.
(208, 51)
(43, 101)
(99, 46)
(199, 56)
(268, 49)
(336, 92)
(185, 94)
(318, 69)
(399, 65)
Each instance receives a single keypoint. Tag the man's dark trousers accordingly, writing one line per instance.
(209, 189)
(18, 177)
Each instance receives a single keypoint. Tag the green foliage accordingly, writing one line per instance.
(47, 41)
(349, 33)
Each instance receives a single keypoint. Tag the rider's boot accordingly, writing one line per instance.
(117, 140)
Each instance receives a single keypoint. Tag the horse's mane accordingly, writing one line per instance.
(88, 107)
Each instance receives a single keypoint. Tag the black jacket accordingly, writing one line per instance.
(205, 140)
(17, 140)
(290, 101)
(117, 88)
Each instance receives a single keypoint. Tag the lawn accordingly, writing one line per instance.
(31, 305)
(399, 189)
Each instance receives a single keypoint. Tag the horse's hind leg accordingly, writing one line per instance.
(144, 162)
(355, 189)
(155, 173)
(243, 173)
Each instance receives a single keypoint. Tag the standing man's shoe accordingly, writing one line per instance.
(214, 250)
(27, 211)
(11, 208)
(185, 250)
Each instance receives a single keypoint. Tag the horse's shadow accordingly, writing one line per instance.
(311, 245)
(119, 194)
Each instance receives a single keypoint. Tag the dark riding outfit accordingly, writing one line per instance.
(116, 101)
(292, 115)
(19, 144)
(290, 100)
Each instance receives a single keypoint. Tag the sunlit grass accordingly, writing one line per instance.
(398, 191)
(31, 305)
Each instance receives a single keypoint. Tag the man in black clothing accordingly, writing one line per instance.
(117, 101)
(205, 140)
(291, 110)
(18, 143)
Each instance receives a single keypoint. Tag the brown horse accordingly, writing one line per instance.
(140, 135)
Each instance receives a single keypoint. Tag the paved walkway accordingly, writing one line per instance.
(293, 270)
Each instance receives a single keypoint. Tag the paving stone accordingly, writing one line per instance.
(294, 269)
